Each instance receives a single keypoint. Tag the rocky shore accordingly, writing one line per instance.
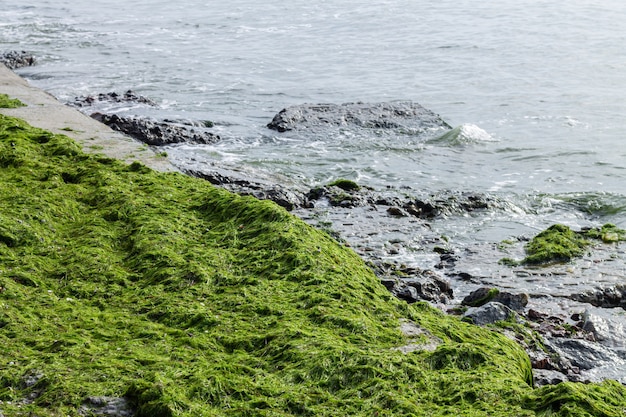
(132, 292)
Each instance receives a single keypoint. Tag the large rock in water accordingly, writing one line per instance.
(389, 115)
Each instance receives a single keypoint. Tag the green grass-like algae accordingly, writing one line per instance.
(7, 102)
(116, 280)
(559, 243)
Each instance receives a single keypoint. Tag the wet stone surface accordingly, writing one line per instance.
(157, 133)
(407, 116)
(17, 59)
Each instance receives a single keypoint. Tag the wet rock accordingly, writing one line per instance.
(414, 284)
(106, 406)
(156, 133)
(607, 332)
(338, 197)
(284, 197)
(483, 295)
(129, 97)
(447, 203)
(583, 354)
(398, 115)
(17, 59)
(480, 297)
(489, 313)
(604, 297)
(543, 377)
(515, 302)
(396, 211)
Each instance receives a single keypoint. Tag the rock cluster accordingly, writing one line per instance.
(17, 59)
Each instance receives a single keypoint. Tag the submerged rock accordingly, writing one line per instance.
(17, 59)
(392, 115)
(604, 297)
(156, 133)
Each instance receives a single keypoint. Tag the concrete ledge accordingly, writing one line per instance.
(44, 111)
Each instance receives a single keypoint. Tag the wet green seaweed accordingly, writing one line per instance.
(559, 243)
(346, 185)
(119, 281)
(7, 102)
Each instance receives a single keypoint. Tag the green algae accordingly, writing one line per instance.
(7, 102)
(559, 243)
(346, 185)
(119, 281)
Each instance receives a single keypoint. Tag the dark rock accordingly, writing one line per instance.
(448, 203)
(400, 115)
(17, 59)
(414, 284)
(156, 133)
(582, 354)
(396, 211)
(543, 377)
(284, 197)
(489, 313)
(126, 98)
(604, 297)
(535, 315)
(106, 406)
(480, 297)
(515, 302)
(339, 197)
(483, 295)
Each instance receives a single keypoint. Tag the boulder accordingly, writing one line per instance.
(489, 313)
(483, 295)
(391, 115)
(414, 284)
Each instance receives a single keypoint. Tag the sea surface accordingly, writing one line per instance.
(538, 86)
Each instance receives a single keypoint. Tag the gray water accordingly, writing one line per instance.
(540, 86)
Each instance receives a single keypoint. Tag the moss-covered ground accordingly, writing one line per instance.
(559, 243)
(116, 280)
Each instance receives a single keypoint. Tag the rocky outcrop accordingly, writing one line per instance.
(284, 197)
(413, 284)
(392, 115)
(17, 59)
(156, 133)
(604, 297)
(127, 97)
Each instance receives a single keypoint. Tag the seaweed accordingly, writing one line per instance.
(558, 244)
(7, 102)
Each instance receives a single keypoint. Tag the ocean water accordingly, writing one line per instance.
(536, 88)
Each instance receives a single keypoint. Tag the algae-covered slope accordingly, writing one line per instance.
(120, 282)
